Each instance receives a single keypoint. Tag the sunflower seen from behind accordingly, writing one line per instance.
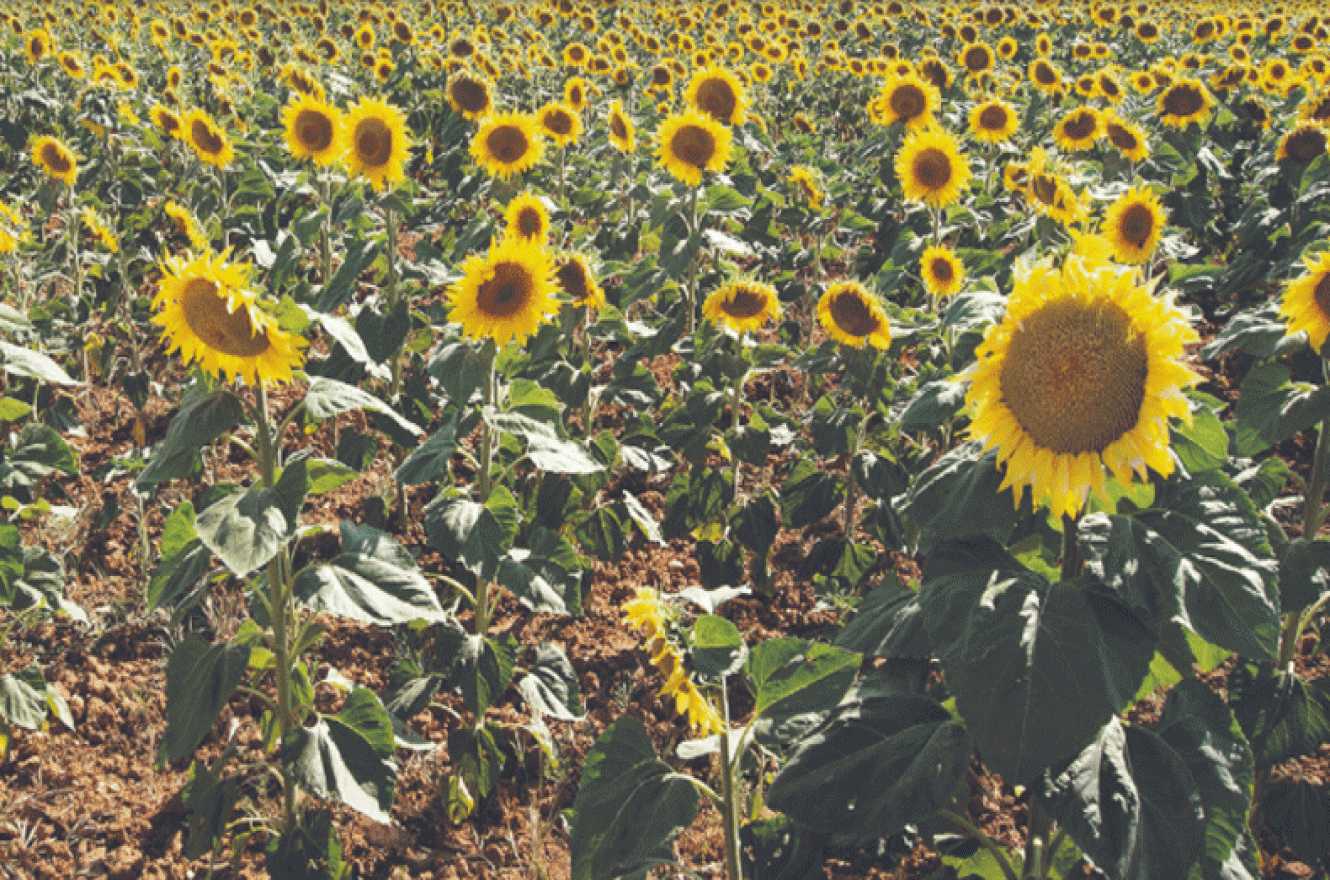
(56, 159)
(313, 130)
(1306, 302)
(691, 143)
(852, 316)
(742, 305)
(1134, 225)
(527, 218)
(931, 168)
(1303, 143)
(1079, 381)
(507, 144)
(504, 295)
(377, 143)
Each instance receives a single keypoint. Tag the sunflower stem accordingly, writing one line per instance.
(852, 487)
(390, 221)
(729, 801)
(736, 395)
(75, 256)
(1040, 824)
(690, 303)
(1071, 548)
(486, 441)
(325, 234)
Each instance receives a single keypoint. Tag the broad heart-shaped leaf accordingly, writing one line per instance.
(461, 368)
(718, 648)
(198, 423)
(888, 623)
(20, 361)
(789, 677)
(1282, 716)
(1131, 805)
(546, 449)
(538, 583)
(357, 257)
(957, 496)
(40, 450)
(327, 397)
(1202, 445)
(368, 589)
(209, 799)
(429, 460)
(468, 532)
(809, 494)
(1037, 668)
(1144, 571)
(480, 668)
(629, 804)
(347, 757)
(882, 759)
(174, 579)
(1199, 726)
(200, 679)
(1304, 574)
(935, 404)
(245, 529)
(550, 685)
(1255, 331)
(1271, 408)
(21, 704)
(1299, 812)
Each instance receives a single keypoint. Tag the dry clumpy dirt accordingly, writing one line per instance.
(89, 802)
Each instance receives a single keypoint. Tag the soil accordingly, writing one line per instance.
(89, 801)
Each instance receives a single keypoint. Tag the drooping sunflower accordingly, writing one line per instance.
(507, 144)
(13, 229)
(573, 275)
(1077, 129)
(313, 130)
(852, 316)
(212, 319)
(1049, 193)
(742, 305)
(931, 168)
(505, 294)
(717, 93)
(1186, 100)
(942, 271)
(906, 98)
(1080, 378)
(470, 95)
(1128, 137)
(164, 119)
(1303, 143)
(527, 218)
(55, 159)
(560, 123)
(805, 185)
(185, 226)
(377, 142)
(1306, 302)
(993, 121)
(99, 230)
(208, 140)
(691, 143)
(576, 92)
(622, 133)
(1134, 224)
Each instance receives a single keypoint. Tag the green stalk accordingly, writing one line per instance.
(729, 802)
(851, 490)
(736, 397)
(998, 853)
(325, 234)
(1040, 824)
(692, 263)
(391, 222)
(482, 603)
(1071, 548)
(74, 221)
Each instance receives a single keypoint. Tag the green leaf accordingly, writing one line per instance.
(178, 531)
(1255, 331)
(21, 704)
(545, 448)
(538, 583)
(326, 474)
(20, 361)
(40, 451)
(347, 757)
(194, 427)
(200, 679)
(1129, 803)
(718, 648)
(356, 258)
(808, 495)
(789, 677)
(430, 460)
(467, 532)
(887, 624)
(1271, 408)
(936, 404)
(754, 525)
(369, 589)
(881, 761)
(550, 685)
(327, 397)
(245, 528)
(383, 334)
(629, 805)
(1299, 811)
(477, 756)
(481, 668)
(292, 487)
(958, 496)
(1037, 668)
(210, 799)
(602, 535)
(461, 368)
(12, 410)
(1203, 445)
(1263, 481)
(175, 578)
(310, 851)
(1304, 574)
(833, 428)
(1282, 716)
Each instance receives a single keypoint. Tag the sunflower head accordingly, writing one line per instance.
(527, 218)
(931, 168)
(212, 319)
(691, 143)
(377, 142)
(560, 123)
(742, 305)
(13, 229)
(718, 94)
(622, 133)
(942, 272)
(313, 130)
(805, 185)
(852, 316)
(577, 92)
(55, 159)
(506, 294)
(1079, 379)
(1134, 225)
(1128, 137)
(573, 275)
(208, 141)
(1306, 302)
(1303, 143)
(906, 98)
(470, 95)
(1078, 129)
(507, 144)
(1186, 100)
(993, 121)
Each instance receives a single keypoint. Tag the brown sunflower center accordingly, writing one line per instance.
(942, 271)
(1183, 100)
(908, 101)
(1074, 376)
(745, 302)
(693, 145)
(373, 142)
(660, 76)
(852, 315)
(529, 222)
(56, 159)
(1137, 225)
(617, 127)
(507, 292)
(717, 99)
(1321, 110)
(508, 143)
(1121, 137)
(314, 130)
(993, 118)
(976, 59)
(557, 122)
(470, 95)
(1044, 187)
(931, 169)
(204, 138)
(1045, 75)
(573, 279)
(228, 332)
(1080, 126)
(1321, 294)
(1305, 144)
(576, 54)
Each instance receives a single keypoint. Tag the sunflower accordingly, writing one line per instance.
(573, 275)
(1049, 193)
(313, 130)
(212, 320)
(73, 65)
(717, 93)
(691, 143)
(1077, 129)
(742, 305)
(1081, 377)
(560, 123)
(507, 144)
(55, 159)
(184, 225)
(975, 58)
(1185, 100)
(805, 184)
(164, 119)
(528, 219)
(935, 71)
(99, 231)
(931, 168)
(470, 95)
(907, 99)
(1134, 224)
(36, 45)
(209, 142)
(1143, 82)
(993, 121)
(622, 134)
(1128, 137)
(1306, 303)
(576, 92)
(851, 315)
(506, 294)
(942, 272)
(377, 142)
(13, 229)
(1045, 76)
(1303, 143)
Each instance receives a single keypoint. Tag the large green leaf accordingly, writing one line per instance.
(629, 805)
(200, 679)
(175, 580)
(546, 449)
(356, 258)
(1304, 574)
(347, 757)
(958, 496)
(467, 532)
(1282, 716)
(550, 685)
(538, 583)
(461, 368)
(718, 647)
(1299, 812)
(1272, 408)
(20, 361)
(480, 668)
(21, 703)
(198, 423)
(327, 397)
(790, 676)
(882, 760)
(1037, 668)
(210, 799)
(430, 459)
(887, 624)
(1130, 804)
(245, 529)
(368, 589)
(808, 494)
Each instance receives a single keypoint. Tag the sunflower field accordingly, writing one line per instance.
(620, 438)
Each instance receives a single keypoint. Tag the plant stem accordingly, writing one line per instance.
(325, 234)
(691, 300)
(735, 401)
(482, 603)
(729, 802)
(390, 222)
(999, 854)
(74, 221)
(1071, 548)
(1040, 824)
